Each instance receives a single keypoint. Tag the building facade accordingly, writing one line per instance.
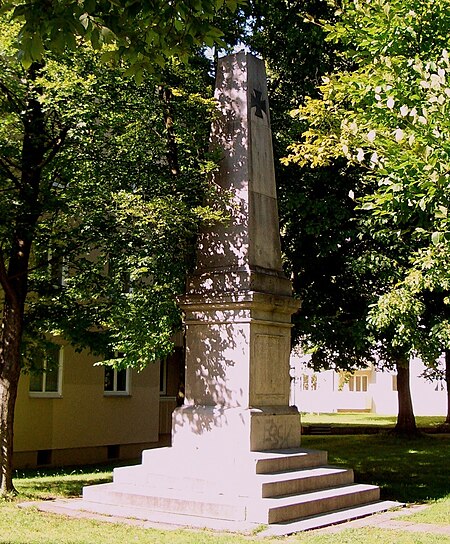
(366, 390)
(75, 411)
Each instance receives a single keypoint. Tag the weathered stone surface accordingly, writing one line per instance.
(244, 254)
(239, 303)
(235, 443)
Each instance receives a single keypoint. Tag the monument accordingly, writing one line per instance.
(235, 453)
(239, 303)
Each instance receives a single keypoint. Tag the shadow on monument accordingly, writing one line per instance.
(235, 451)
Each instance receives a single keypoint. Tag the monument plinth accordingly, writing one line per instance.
(239, 303)
(235, 453)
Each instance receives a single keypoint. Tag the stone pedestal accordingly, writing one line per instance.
(235, 452)
(237, 375)
(239, 304)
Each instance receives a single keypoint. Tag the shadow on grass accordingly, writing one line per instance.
(49, 483)
(406, 470)
(46, 490)
(56, 489)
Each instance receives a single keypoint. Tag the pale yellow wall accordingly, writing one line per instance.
(84, 416)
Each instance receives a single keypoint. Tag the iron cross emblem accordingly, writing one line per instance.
(258, 103)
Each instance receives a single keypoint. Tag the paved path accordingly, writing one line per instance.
(389, 520)
(384, 520)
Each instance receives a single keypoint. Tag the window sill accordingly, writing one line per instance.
(44, 395)
(116, 394)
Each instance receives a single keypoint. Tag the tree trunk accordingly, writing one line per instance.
(406, 421)
(14, 273)
(9, 380)
(15, 285)
(447, 382)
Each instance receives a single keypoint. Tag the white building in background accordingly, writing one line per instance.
(367, 390)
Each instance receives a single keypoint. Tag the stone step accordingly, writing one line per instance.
(266, 461)
(163, 520)
(115, 513)
(260, 486)
(169, 501)
(132, 474)
(277, 487)
(268, 510)
(277, 509)
(288, 459)
(323, 520)
(157, 481)
(160, 469)
(300, 481)
(319, 429)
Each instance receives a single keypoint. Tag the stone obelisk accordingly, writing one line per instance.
(239, 303)
(234, 456)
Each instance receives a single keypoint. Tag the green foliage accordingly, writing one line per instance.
(325, 259)
(319, 235)
(387, 113)
(116, 226)
(146, 35)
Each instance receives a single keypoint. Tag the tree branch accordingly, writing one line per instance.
(4, 280)
(55, 146)
(5, 166)
(17, 105)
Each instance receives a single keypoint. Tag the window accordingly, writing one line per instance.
(116, 381)
(46, 377)
(163, 377)
(440, 386)
(357, 383)
(44, 457)
(394, 382)
(308, 382)
(305, 382)
(58, 269)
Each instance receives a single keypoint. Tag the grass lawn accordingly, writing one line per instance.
(31, 527)
(438, 513)
(48, 484)
(409, 471)
(361, 419)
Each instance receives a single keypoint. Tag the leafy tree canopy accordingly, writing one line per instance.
(319, 234)
(145, 34)
(120, 197)
(388, 114)
(102, 182)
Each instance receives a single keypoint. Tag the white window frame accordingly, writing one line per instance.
(51, 394)
(358, 383)
(115, 392)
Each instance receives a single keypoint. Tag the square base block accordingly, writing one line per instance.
(214, 430)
